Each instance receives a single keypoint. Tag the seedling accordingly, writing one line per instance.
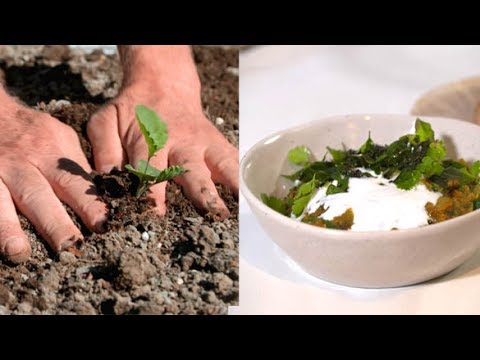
(154, 131)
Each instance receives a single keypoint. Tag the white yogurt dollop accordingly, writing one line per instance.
(377, 204)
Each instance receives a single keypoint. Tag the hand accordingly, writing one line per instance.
(41, 163)
(164, 78)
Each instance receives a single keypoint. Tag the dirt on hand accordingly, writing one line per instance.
(182, 263)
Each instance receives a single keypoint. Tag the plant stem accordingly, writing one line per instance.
(146, 166)
(143, 186)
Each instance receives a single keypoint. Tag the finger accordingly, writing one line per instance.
(197, 183)
(223, 163)
(102, 131)
(71, 182)
(157, 192)
(74, 186)
(34, 197)
(137, 148)
(14, 244)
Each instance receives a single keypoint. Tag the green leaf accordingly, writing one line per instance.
(169, 173)
(423, 131)
(337, 155)
(150, 170)
(275, 203)
(368, 146)
(299, 155)
(153, 128)
(299, 205)
(408, 179)
(140, 174)
(476, 204)
(303, 195)
(437, 150)
(306, 188)
(475, 168)
(432, 162)
(342, 186)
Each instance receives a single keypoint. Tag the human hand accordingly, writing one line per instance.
(41, 163)
(164, 78)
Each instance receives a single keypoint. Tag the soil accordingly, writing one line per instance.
(182, 263)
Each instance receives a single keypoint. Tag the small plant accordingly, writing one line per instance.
(155, 133)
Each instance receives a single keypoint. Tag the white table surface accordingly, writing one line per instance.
(282, 86)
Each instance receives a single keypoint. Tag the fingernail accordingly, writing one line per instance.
(72, 240)
(217, 211)
(17, 250)
(101, 224)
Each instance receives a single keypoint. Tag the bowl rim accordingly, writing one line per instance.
(315, 230)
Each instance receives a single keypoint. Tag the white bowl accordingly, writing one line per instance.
(373, 259)
(459, 99)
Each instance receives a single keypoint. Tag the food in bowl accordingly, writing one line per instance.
(406, 184)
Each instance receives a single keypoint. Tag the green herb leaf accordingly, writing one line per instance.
(306, 188)
(432, 162)
(144, 177)
(342, 186)
(303, 195)
(476, 204)
(475, 168)
(423, 131)
(408, 179)
(368, 146)
(153, 128)
(337, 155)
(299, 155)
(169, 173)
(453, 170)
(150, 170)
(299, 205)
(276, 204)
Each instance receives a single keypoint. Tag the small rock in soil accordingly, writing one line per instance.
(4, 310)
(122, 305)
(222, 282)
(196, 220)
(24, 308)
(50, 281)
(150, 309)
(6, 297)
(210, 297)
(134, 269)
(208, 234)
(66, 257)
(187, 262)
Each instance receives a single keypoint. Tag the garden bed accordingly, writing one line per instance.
(185, 262)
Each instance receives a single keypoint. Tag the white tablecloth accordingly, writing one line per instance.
(282, 86)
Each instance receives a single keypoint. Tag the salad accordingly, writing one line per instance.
(408, 183)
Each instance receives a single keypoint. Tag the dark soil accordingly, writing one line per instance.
(188, 264)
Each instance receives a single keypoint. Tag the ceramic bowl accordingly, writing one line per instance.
(459, 99)
(374, 259)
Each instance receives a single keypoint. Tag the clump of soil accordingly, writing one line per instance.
(182, 263)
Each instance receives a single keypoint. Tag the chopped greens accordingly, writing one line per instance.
(408, 161)
(299, 155)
